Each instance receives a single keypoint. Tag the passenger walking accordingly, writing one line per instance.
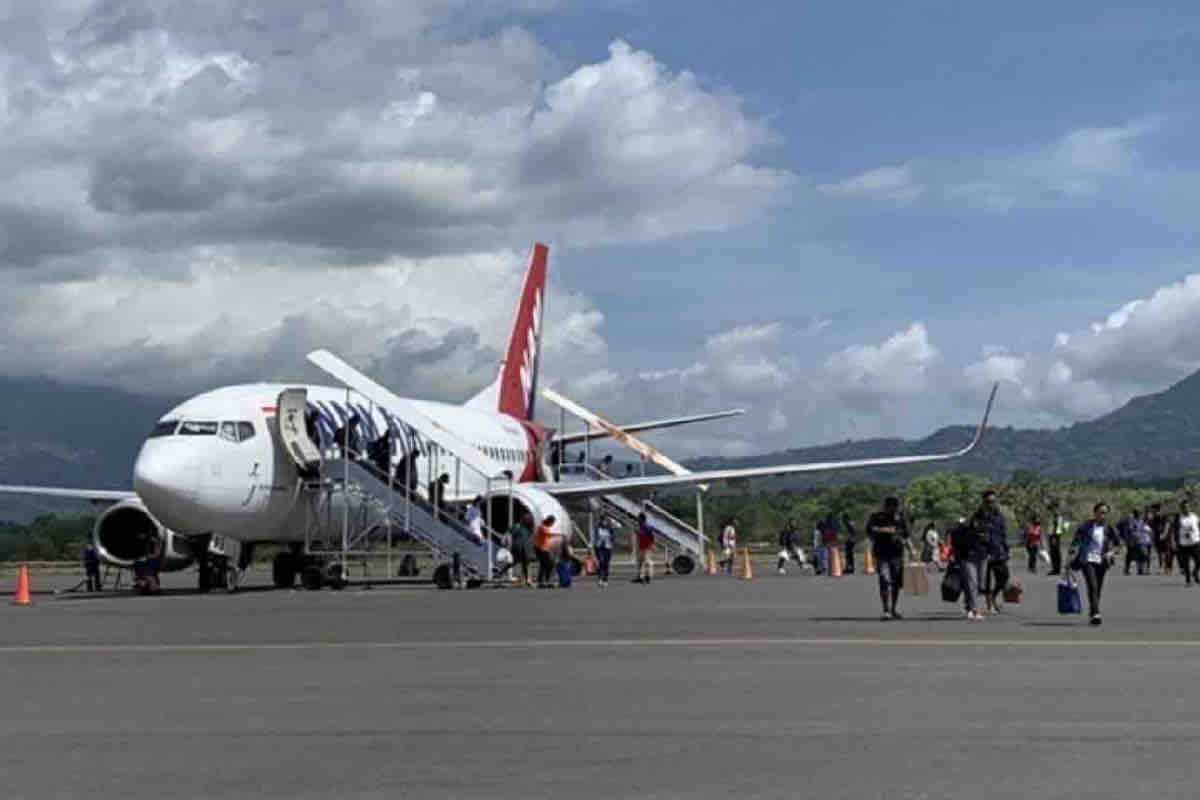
(787, 546)
(998, 558)
(929, 544)
(346, 438)
(1159, 530)
(850, 545)
(1164, 545)
(1127, 531)
(1033, 542)
(520, 533)
(729, 546)
(1142, 538)
(91, 566)
(474, 519)
(602, 547)
(543, 545)
(829, 542)
(437, 493)
(1187, 533)
(975, 546)
(646, 536)
(1093, 552)
(888, 534)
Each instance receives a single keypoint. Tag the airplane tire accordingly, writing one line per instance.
(683, 564)
(283, 571)
(336, 577)
(312, 577)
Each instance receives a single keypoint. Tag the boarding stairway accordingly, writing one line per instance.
(411, 515)
(683, 537)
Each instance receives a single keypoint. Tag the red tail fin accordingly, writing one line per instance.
(519, 372)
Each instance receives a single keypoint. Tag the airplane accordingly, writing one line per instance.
(245, 465)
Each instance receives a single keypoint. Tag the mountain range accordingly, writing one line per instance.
(68, 435)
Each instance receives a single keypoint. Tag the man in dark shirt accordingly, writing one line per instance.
(984, 527)
(888, 533)
(787, 545)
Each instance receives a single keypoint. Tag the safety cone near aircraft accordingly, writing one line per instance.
(747, 568)
(711, 567)
(21, 596)
(870, 562)
(835, 562)
(589, 565)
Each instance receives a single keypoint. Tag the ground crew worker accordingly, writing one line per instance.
(888, 532)
(91, 566)
(543, 547)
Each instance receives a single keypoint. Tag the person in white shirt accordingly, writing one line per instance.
(602, 546)
(474, 519)
(1187, 534)
(1093, 552)
(729, 546)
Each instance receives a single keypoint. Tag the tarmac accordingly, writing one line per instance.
(784, 686)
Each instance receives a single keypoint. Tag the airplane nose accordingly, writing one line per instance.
(165, 479)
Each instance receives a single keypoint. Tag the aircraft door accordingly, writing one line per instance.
(292, 409)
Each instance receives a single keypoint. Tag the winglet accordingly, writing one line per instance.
(987, 412)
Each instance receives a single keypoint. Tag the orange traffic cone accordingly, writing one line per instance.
(589, 565)
(835, 562)
(747, 569)
(870, 562)
(21, 596)
(711, 567)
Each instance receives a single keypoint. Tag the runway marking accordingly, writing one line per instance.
(528, 644)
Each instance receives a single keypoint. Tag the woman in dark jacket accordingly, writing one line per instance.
(1093, 551)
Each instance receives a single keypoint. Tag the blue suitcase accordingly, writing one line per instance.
(1069, 601)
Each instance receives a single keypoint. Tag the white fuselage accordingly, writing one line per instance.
(215, 463)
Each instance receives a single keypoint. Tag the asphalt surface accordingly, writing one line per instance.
(697, 687)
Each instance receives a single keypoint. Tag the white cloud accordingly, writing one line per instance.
(195, 194)
(875, 376)
(894, 183)
(1142, 346)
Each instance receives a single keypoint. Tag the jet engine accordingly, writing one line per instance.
(125, 533)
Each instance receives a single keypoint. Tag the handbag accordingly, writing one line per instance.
(952, 584)
(1069, 601)
(916, 579)
(1014, 592)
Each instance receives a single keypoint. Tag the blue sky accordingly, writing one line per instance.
(848, 217)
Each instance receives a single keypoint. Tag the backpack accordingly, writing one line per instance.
(645, 537)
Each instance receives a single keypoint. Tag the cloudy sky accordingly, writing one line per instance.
(848, 217)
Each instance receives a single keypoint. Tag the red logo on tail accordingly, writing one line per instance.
(518, 376)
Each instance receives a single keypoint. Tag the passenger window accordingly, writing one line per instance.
(198, 429)
(229, 431)
(245, 430)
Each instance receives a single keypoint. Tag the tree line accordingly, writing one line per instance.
(941, 498)
(52, 537)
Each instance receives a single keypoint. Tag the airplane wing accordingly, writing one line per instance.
(653, 482)
(595, 433)
(99, 496)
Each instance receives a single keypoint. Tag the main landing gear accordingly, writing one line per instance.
(314, 572)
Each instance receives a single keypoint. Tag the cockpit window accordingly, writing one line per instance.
(164, 428)
(193, 428)
(237, 431)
